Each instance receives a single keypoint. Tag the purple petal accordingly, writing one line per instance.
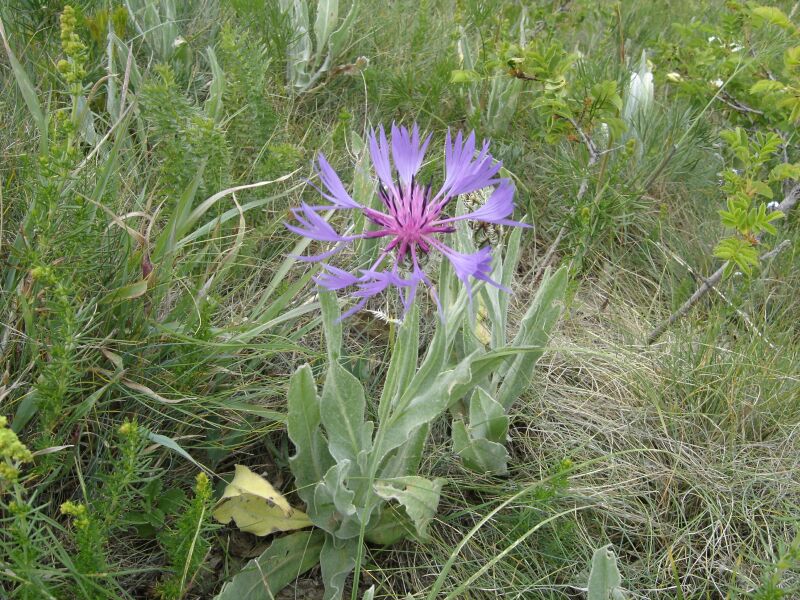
(465, 172)
(495, 210)
(407, 152)
(313, 226)
(338, 195)
(379, 151)
(477, 265)
(335, 278)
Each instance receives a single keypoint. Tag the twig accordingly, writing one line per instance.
(785, 207)
(742, 314)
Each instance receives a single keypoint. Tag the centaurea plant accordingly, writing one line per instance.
(414, 221)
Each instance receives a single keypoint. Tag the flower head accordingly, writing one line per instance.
(412, 221)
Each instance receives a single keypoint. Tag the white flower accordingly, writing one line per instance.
(674, 77)
(734, 47)
(713, 38)
(773, 206)
(717, 83)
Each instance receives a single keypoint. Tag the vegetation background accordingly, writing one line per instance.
(147, 335)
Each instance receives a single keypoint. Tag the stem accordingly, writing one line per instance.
(787, 205)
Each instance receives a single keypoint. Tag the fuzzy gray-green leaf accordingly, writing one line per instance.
(280, 564)
(311, 459)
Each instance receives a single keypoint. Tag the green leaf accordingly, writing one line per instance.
(214, 103)
(392, 526)
(419, 496)
(280, 564)
(168, 442)
(342, 411)
(762, 189)
(538, 322)
(464, 76)
(434, 399)
(479, 454)
(311, 459)
(773, 15)
(767, 86)
(604, 579)
(403, 363)
(785, 171)
(333, 500)
(27, 90)
(487, 419)
(327, 15)
(126, 292)
(337, 560)
(332, 324)
(405, 460)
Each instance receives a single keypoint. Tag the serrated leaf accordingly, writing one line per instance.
(419, 496)
(311, 459)
(280, 564)
(604, 579)
(256, 507)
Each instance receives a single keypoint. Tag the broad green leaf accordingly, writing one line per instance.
(479, 454)
(538, 322)
(338, 37)
(405, 460)
(333, 501)
(327, 15)
(393, 525)
(337, 559)
(311, 459)
(342, 411)
(772, 15)
(256, 507)
(487, 419)
(280, 564)
(604, 579)
(762, 189)
(419, 496)
(434, 399)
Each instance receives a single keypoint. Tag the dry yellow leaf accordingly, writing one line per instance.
(256, 507)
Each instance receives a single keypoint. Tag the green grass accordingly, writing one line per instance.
(682, 455)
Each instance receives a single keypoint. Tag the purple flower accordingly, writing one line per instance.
(412, 221)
